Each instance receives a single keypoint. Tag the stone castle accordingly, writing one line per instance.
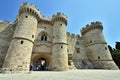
(33, 38)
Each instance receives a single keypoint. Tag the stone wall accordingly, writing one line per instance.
(3, 25)
(77, 49)
(96, 47)
(42, 45)
(5, 39)
(59, 48)
(20, 50)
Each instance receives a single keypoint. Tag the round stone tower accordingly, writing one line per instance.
(59, 48)
(96, 46)
(19, 53)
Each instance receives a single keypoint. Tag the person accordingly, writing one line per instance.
(39, 67)
(42, 67)
(31, 67)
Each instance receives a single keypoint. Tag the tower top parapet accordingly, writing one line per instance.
(93, 25)
(59, 14)
(26, 7)
(59, 17)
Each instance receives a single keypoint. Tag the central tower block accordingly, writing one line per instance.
(19, 53)
(59, 49)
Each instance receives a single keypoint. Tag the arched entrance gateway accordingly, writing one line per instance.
(41, 62)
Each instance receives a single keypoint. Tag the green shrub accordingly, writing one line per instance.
(116, 57)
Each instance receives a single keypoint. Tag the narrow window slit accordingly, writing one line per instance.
(22, 42)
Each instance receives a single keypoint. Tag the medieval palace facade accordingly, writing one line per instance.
(33, 38)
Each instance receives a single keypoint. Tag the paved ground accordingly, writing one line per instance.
(65, 75)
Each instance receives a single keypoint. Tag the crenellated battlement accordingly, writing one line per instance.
(55, 17)
(3, 25)
(93, 25)
(59, 17)
(25, 7)
(59, 14)
(73, 36)
(46, 21)
(60, 50)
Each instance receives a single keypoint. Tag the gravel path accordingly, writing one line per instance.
(65, 75)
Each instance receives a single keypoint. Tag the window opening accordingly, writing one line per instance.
(60, 24)
(43, 37)
(44, 27)
(32, 36)
(90, 41)
(22, 42)
(78, 51)
(26, 16)
(98, 57)
(105, 48)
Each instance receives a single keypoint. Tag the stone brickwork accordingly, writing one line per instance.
(59, 50)
(32, 38)
(19, 53)
(5, 39)
(96, 46)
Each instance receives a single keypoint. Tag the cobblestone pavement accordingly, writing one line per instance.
(65, 75)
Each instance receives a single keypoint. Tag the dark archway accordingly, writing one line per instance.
(42, 62)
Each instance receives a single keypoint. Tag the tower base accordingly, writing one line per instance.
(105, 64)
(14, 70)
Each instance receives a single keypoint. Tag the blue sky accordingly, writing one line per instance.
(79, 12)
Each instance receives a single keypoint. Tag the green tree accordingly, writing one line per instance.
(110, 48)
(117, 46)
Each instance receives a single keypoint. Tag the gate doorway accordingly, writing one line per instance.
(41, 62)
